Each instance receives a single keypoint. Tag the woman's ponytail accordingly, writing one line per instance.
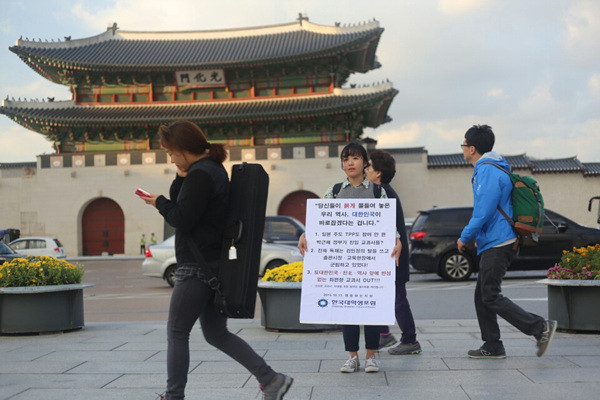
(217, 152)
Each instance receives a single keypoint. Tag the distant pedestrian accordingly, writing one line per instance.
(143, 244)
(496, 244)
(197, 208)
(381, 170)
(152, 239)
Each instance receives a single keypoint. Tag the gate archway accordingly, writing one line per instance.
(294, 204)
(103, 228)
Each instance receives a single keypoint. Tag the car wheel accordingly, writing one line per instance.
(274, 264)
(170, 275)
(456, 266)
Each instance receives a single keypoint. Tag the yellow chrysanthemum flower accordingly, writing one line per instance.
(285, 273)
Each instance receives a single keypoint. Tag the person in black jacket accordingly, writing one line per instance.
(197, 208)
(381, 170)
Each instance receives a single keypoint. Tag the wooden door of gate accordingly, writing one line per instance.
(294, 204)
(103, 228)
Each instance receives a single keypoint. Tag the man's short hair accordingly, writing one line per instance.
(481, 137)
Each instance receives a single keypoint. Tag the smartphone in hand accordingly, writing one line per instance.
(142, 193)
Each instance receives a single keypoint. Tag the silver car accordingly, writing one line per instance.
(39, 246)
(160, 259)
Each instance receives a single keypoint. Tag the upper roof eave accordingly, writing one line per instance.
(118, 34)
(26, 53)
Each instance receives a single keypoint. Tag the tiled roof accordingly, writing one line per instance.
(571, 164)
(456, 160)
(406, 150)
(376, 99)
(521, 161)
(446, 160)
(17, 165)
(591, 169)
(126, 50)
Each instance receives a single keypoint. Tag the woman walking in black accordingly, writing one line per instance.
(197, 208)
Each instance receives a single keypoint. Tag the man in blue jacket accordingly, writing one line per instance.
(496, 244)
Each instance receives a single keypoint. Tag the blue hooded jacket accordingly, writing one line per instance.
(491, 188)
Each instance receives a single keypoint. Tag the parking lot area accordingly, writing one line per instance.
(122, 293)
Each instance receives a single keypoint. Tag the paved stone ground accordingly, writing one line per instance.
(127, 361)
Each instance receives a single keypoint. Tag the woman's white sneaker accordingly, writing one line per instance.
(372, 365)
(351, 365)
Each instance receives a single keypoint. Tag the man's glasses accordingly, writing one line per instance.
(465, 145)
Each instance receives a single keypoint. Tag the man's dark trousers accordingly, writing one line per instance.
(490, 303)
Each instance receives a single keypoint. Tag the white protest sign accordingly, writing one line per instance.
(349, 274)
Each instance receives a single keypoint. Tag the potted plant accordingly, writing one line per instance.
(40, 294)
(574, 289)
(280, 291)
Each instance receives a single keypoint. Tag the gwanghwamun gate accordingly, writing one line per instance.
(276, 95)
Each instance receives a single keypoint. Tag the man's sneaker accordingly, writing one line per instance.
(351, 365)
(277, 388)
(482, 353)
(543, 344)
(387, 341)
(372, 365)
(406, 348)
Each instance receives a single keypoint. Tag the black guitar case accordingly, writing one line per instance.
(242, 242)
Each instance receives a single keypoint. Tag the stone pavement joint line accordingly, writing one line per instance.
(128, 361)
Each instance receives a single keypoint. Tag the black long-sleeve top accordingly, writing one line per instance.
(198, 207)
(402, 273)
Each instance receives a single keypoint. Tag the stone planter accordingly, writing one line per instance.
(38, 309)
(280, 307)
(575, 304)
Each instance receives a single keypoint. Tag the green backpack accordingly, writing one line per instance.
(528, 207)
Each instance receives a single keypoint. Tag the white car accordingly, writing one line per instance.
(38, 246)
(160, 259)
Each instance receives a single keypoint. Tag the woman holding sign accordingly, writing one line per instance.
(381, 170)
(354, 161)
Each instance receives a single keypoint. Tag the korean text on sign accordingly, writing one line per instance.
(349, 273)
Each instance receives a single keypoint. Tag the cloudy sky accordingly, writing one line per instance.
(530, 69)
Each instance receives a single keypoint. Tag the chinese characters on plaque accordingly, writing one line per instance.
(200, 78)
(349, 274)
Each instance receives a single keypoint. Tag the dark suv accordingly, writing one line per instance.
(434, 233)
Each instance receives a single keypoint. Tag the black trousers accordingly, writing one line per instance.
(404, 316)
(192, 300)
(351, 334)
(490, 303)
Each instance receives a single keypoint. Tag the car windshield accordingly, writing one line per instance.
(4, 249)
(554, 218)
(449, 218)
